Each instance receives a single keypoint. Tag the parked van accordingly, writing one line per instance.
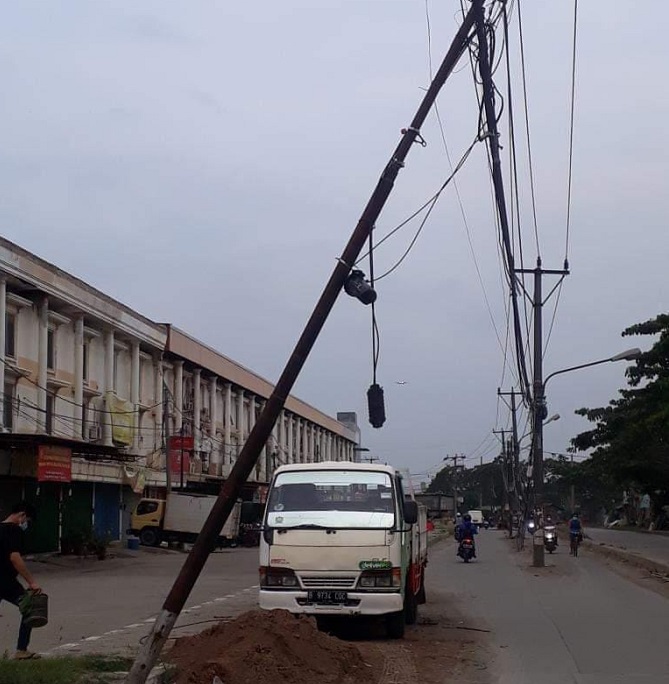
(343, 539)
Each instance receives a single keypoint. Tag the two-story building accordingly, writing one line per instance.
(98, 400)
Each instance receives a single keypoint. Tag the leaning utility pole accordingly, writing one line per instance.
(162, 627)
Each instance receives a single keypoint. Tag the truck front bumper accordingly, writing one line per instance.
(358, 603)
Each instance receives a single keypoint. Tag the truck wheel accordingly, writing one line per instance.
(420, 597)
(395, 625)
(410, 608)
(149, 537)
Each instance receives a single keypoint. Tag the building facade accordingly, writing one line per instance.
(101, 405)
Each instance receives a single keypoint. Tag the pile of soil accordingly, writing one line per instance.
(268, 647)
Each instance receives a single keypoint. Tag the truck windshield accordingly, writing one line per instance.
(332, 499)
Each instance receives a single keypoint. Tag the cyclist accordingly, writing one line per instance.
(575, 532)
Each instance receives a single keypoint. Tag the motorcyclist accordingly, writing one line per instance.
(550, 525)
(466, 530)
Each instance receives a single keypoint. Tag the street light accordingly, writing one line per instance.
(539, 417)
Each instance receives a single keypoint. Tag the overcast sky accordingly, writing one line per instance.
(205, 163)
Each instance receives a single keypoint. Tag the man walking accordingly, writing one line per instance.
(12, 531)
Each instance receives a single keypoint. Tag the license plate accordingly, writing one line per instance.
(327, 596)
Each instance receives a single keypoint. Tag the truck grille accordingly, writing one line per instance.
(327, 582)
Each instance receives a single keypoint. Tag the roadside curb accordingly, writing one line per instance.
(624, 556)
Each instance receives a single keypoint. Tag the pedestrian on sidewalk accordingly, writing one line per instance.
(12, 531)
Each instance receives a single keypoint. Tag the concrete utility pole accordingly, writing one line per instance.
(455, 459)
(196, 559)
(539, 410)
(514, 452)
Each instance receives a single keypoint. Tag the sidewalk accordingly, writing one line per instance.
(647, 548)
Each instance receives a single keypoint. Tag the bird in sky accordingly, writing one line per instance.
(400, 382)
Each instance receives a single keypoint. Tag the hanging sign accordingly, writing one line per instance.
(54, 463)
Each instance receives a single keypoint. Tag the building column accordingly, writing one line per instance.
(78, 423)
(158, 398)
(281, 450)
(227, 413)
(109, 386)
(290, 456)
(298, 440)
(134, 393)
(272, 448)
(259, 467)
(321, 450)
(3, 344)
(178, 396)
(305, 441)
(42, 343)
(240, 421)
(197, 407)
(215, 454)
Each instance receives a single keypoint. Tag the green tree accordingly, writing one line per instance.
(630, 437)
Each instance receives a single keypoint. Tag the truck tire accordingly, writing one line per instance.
(149, 536)
(410, 607)
(395, 625)
(420, 596)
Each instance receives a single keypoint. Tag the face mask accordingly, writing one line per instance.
(24, 525)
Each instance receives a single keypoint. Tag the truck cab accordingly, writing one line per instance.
(343, 539)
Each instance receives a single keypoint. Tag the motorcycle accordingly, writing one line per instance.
(550, 539)
(486, 524)
(466, 549)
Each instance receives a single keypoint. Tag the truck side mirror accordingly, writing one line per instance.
(268, 535)
(410, 512)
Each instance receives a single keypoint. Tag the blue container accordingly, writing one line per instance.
(133, 543)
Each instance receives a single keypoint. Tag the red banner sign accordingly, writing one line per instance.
(180, 450)
(54, 463)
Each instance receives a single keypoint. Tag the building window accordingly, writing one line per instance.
(10, 335)
(87, 351)
(51, 350)
(8, 407)
(50, 401)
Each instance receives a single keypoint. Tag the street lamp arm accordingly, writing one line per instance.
(628, 355)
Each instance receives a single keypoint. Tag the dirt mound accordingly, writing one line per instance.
(268, 647)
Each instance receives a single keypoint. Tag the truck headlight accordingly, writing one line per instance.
(380, 579)
(277, 578)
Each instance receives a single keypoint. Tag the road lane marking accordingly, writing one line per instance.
(92, 638)
(134, 625)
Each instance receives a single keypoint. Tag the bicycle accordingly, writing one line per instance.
(574, 541)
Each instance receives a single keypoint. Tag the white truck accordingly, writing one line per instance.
(180, 518)
(343, 539)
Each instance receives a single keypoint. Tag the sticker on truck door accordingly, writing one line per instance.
(375, 564)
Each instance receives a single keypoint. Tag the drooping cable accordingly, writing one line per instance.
(527, 128)
(571, 128)
(458, 196)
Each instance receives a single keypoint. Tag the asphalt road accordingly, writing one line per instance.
(573, 622)
(107, 606)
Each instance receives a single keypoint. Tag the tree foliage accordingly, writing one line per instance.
(630, 436)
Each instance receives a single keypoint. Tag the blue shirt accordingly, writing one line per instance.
(574, 526)
(467, 530)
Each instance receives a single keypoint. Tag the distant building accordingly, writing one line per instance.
(85, 383)
(350, 420)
